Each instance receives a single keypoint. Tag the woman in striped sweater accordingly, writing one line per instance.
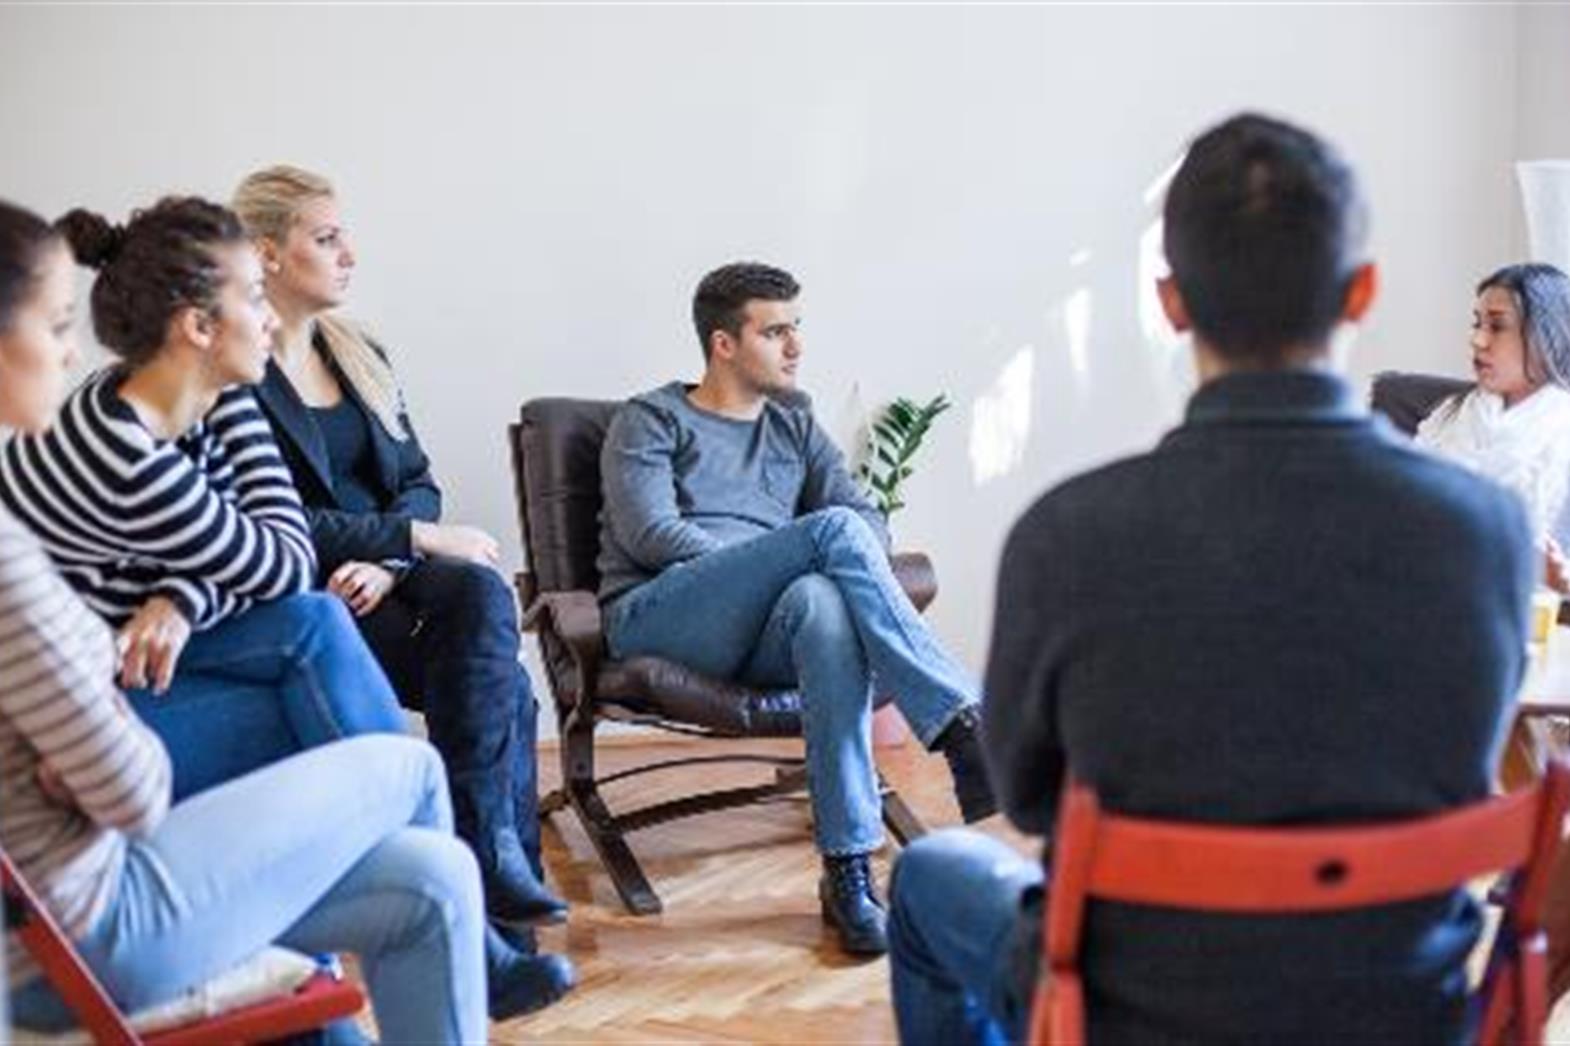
(161, 498)
(347, 846)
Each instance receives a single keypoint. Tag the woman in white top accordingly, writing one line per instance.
(1514, 424)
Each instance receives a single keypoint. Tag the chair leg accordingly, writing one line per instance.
(791, 777)
(903, 823)
(610, 843)
(554, 802)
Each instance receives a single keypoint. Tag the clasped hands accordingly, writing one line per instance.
(363, 585)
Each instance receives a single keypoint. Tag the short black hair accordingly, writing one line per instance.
(1264, 227)
(723, 294)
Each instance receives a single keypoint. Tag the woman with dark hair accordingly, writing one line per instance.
(162, 500)
(1514, 424)
(427, 594)
(345, 847)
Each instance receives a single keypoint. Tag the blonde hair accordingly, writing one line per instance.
(268, 202)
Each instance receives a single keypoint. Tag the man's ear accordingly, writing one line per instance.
(721, 345)
(1172, 304)
(1361, 291)
(194, 325)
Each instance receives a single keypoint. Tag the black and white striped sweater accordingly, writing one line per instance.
(211, 520)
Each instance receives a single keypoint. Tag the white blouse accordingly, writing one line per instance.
(1525, 448)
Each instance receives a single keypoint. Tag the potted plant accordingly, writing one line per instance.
(892, 441)
(893, 438)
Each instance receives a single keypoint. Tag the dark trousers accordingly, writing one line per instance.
(447, 636)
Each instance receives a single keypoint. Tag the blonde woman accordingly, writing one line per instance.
(427, 594)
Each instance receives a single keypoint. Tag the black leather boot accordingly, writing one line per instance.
(512, 893)
(850, 904)
(960, 743)
(517, 983)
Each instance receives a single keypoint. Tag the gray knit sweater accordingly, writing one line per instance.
(680, 481)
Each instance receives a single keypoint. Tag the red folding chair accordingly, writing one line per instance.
(325, 997)
(1278, 871)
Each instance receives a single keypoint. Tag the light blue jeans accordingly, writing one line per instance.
(347, 847)
(812, 605)
(956, 906)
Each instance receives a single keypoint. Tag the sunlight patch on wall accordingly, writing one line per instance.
(1076, 327)
(1000, 419)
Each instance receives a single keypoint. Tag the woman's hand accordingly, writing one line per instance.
(1556, 574)
(361, 585)
(150, 645)
(471, 543)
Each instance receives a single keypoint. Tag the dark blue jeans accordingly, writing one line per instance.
(955, 935)
(282, 677)
(448, 638)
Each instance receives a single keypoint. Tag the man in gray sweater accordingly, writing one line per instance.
(735, 542)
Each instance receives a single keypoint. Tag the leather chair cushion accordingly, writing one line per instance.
(1407, 399)
(561, 457)
(654, 686)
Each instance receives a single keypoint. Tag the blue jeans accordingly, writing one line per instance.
(282, 677)
(955, 932)
(347, 847)
(447, 637)
(812, 605)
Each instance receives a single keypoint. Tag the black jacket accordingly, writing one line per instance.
(1281, 615)
(403, 477)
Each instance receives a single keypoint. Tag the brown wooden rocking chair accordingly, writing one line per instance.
(556, 470)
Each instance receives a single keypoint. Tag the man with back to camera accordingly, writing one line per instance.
(1280, 615)
(735, 542)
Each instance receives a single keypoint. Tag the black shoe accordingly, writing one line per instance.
(960, 744)
(516, 983)
(521, 938)
(512, 893)
(850, 904)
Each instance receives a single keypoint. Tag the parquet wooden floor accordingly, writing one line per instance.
(739, 954)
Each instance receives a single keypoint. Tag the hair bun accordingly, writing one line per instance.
(94, 240)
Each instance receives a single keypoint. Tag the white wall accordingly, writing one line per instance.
(536, 190)
(1543, 82)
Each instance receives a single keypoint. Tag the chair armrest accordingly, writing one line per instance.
(913, 571)
(574, 618)
(527, 588)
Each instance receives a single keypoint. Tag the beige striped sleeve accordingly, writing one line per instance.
(57, 690)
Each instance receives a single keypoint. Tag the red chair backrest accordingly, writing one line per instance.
(322, 999)
(1206, 867)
